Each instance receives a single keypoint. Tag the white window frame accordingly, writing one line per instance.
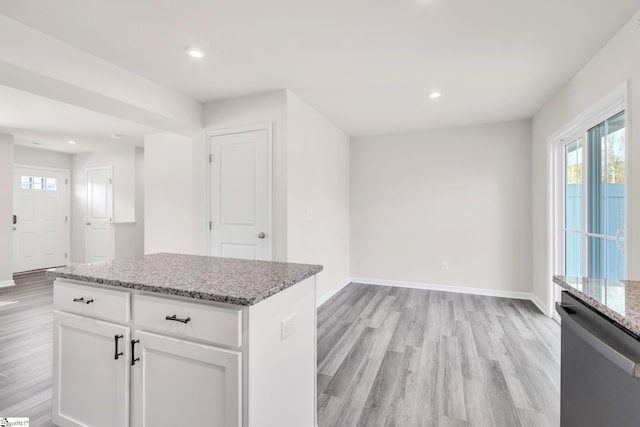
(605, 108)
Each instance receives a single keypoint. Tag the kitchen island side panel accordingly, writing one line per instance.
(282, 368)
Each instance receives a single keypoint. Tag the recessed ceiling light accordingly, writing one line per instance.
(71, 141)
(195, 53)
(117, 135)
(434, 95)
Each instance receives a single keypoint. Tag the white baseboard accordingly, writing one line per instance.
(444, 288)
(7, 283)
(541, 306)
(327, 295)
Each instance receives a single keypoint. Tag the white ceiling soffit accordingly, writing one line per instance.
(43, 123)
(368, 66)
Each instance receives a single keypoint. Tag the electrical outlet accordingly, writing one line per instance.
(288, 326)
(444, 265)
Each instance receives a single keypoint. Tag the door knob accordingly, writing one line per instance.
(88, 223)
(14, 229)
(261, 235)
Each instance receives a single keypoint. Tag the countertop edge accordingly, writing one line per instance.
(229, 299)
(613, 315)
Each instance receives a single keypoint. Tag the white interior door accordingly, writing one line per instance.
(40, 237)
(240, 199)
(99, 214)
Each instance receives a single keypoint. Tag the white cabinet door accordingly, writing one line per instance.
(91, 381)
(177, 382)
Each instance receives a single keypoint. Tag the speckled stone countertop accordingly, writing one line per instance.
(619, 300)
(229, 280)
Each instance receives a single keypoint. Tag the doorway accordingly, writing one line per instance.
(240, 224)
(589, 202)
(99, 214)
(41, 218)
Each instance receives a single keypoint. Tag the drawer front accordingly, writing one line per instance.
(92, 301)
(210, 323)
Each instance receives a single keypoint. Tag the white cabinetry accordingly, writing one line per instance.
(185, 383)
(129, 358)
(91, 385)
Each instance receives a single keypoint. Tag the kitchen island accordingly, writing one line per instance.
(170, 339)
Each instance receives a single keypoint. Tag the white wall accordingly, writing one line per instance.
(122, 159)
(6, 209)
(260, 109)
(616, 63)
(129, 236)
(457, 195)
(168, 207)
(34, 157)
(317, 193)
(40, 64)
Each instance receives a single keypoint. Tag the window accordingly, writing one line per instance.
(605, 203)
(38, 183)
(590, 175)
(593, 187)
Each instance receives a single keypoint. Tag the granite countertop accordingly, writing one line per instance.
(619, 300)
(229, 280)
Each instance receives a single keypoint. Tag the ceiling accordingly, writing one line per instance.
(367, 65)
(42, 123)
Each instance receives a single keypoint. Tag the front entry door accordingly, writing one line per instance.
(99, 214)
(40, 223)
(240, 199)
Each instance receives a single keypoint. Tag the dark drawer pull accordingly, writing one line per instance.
(175, 319)
(116, 338)
(82, 300)
(133, 358)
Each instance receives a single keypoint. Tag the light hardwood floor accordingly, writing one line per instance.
(26, 348)
(386, 356)
(406, 357)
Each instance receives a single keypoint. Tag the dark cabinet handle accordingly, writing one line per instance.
(82, 300)
(116, 338)
(175, 319)
(133, 358)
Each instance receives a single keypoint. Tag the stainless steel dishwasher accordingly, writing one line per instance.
(600, 371)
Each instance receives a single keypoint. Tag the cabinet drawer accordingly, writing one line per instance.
(92, 301)
(193, 320)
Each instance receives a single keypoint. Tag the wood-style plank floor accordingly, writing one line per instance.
(386, 356)
(26, 348)
(407, 357)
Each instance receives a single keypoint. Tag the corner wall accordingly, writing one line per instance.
(6, 209)
(455, 195)
(129, 236)
(318, 217)
(168, 209)
(616, 63)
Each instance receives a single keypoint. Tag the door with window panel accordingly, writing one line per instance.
(594, 201)
(40, 219)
